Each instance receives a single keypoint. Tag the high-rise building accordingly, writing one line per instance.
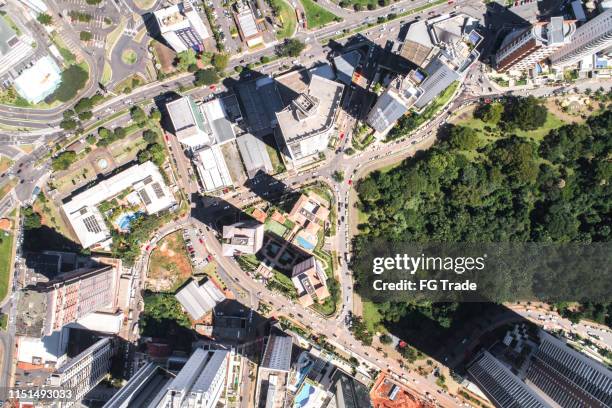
(272, 376)
(522, 50)
(73, 295)
(392, 104)
(200, 382)
(245, 237)
(310, 282)
(142, 388)
(568, 376)
(182, 27)
(501, 385)
(590, 38)
(82, 373)
(305, 126)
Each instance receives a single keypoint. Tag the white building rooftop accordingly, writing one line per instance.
(243, 237)
(199, 300)
(39, 81)
(212, 168)
(149, 188)
(182, 27)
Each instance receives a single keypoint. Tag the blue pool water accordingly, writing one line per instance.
(305, 244)
(125, 219)
(302, 398)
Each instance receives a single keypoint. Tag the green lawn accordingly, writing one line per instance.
(12, 24)
(552, 122)
(6, 259)
(129, 57)
(316, 16)
(275, 227)
(287, 17)
(371, 317)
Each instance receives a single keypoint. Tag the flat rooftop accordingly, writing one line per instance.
(295, 126)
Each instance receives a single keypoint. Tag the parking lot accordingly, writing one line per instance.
(196, 247)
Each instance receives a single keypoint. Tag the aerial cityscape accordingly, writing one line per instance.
(306, 203)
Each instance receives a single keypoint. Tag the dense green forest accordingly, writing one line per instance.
(492, 185)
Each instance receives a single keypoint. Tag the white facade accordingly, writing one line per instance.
(150, 191)
(182, 27)
(49, 351)
(594, 36)
(244, 238)
(199, 300)
(85, 371)
(212, 168)
(200, 382)
(521, 51)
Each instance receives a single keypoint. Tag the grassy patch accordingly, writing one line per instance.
(12, 24)
(317, 16)
(51, 217)
(413, 120)
(129, 57)
(6, 187)
(6, 259)
(67, 55)
(5, 163)
(286, 16)
(113, 37)
(107, 73)
(552, 122)
(144, 4)
(371, 316)
(275, 155)
(169, 266)
(9, 96)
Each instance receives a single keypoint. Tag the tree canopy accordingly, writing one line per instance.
(481, 187)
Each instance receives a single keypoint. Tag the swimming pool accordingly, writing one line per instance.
(305, 244)
(125, 219)
(301, 399)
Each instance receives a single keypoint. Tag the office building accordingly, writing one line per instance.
(197, 300)
(199, 125)
(199, 384)
(273, 372)
(181, 27)
(66, 298)
(443, 48)
(44, 352)
(142, 388)
(569, 377)
(305, 126)
(418, 46)
(247, 24)
(242, 238)
(346, 64)
(521, 50)
(349, 392)
(501, 386)
(146, 189)
(39, 81)
(590, 38)
(212, 169)
(82, 373)
(310, 282)
(392, 104)
(254, 155)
